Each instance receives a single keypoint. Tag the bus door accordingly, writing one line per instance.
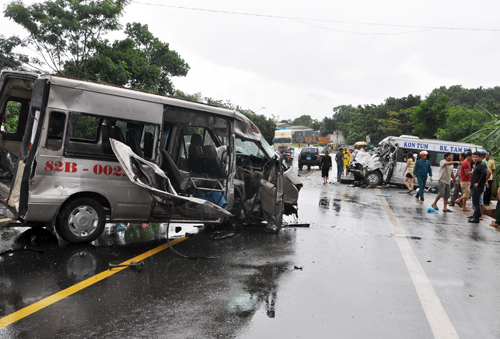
(22, 107)
(153, 179)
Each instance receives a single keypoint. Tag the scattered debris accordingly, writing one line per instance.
(470, 295)
(430, 209)
(429, 261)
(298, 225)
(219, 235)
(384, 195)
(18, 250)
(137, 265)
(297, 268)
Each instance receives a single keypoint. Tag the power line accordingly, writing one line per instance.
(301, 20)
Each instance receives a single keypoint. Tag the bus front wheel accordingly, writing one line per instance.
(81, 220)
(373, 178)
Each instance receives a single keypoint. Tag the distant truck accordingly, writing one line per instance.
(282, 139)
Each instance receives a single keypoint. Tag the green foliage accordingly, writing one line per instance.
(66, 30)
(397, 123)
(12, 111)
(303, 120)
(460, 123)
(429, 115)
(489, 135)
(11, 60)
(69, 36)
(141, 61)
(84, 126)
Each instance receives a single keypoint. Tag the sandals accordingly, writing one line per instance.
(435, 207)
(446, 210)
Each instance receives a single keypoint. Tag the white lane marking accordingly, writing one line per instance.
(437, 317)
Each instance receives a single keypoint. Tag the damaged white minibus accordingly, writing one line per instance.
(76, 154)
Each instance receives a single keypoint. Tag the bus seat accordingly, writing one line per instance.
(178, 178)
(105, 135)
(195, 154)
(148, 145)
(212, 163)
(116, 134)
(133, 142)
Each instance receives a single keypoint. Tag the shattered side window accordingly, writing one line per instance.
(248, 148)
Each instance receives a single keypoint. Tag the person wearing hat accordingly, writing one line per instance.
(347, 160)
(421, 170)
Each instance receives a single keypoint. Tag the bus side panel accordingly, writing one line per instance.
(58, 178)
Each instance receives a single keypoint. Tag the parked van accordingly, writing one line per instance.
(77, 154)
(387, 164)
(282, 139)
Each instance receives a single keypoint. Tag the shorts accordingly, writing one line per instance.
(443, 190)
(465, 188)
(409, 175)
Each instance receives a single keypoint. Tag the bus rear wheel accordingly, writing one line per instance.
(81, 220)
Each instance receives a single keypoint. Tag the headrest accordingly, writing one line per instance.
(196, 139)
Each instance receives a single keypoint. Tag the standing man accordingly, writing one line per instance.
(339, 158)
(445, 175)
(421, 170)
(493, 167)
(478, 180)
(347, 160)
(457, 188)
(465, 176)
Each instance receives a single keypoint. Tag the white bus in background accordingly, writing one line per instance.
(282, 139)
(388, 163)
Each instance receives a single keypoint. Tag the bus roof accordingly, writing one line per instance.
(244, 127)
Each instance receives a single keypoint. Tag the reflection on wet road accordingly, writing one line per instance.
(345, 276)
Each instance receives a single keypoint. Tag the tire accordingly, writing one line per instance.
(81, 220)
(300, 167)
(373, 178)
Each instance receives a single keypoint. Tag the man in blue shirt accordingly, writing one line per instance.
(421, 170)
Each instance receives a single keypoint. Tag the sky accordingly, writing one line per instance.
(289, 58)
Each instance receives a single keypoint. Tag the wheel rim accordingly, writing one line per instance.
(83, 221)
(372, 178)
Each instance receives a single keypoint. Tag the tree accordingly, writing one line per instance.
(70, 37)
(489, 135)
(460, 123)
(141, 61)
(303, 120)
(398, 122)
(66, 30)
(11, 60)
(429, 115)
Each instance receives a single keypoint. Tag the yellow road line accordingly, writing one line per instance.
(35, 307)
(308, 174)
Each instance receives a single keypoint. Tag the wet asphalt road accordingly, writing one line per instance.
(356, 278)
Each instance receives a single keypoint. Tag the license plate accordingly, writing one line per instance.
(308, 158)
